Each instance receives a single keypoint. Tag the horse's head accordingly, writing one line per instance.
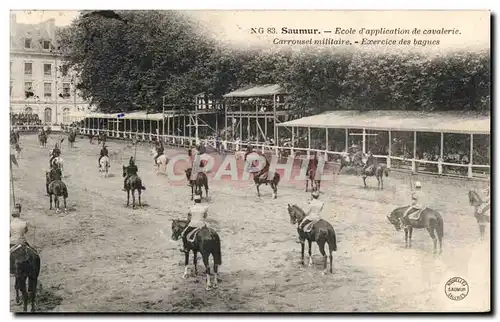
(394, 217)
(296, 214)
(178, 225)
(188, 173)
(124, 171)
(47, 176)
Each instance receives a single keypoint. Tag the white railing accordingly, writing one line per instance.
(234, 146)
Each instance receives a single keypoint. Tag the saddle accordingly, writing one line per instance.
(484, 208)
(415, 214)
(369, 170)
(307, 225)
(191, 236)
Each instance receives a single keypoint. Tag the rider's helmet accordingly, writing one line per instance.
(418, 184)
(131, 161)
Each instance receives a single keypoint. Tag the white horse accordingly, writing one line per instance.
(240, 155)
(104, 166)
(162, 162)
(59, 162)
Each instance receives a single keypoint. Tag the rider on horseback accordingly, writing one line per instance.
(131, 170)
(104, 152)
(196, 217)
(313, 214)
(159, 149)
(417, 203)
(18, 228)
(313, 162)
(370, 163)
(195, 162)
(56, 152)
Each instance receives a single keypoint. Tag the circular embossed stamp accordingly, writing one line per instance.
(456, 288)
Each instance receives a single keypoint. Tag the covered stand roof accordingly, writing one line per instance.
(256, 91)
(128, 116)
(446, 122)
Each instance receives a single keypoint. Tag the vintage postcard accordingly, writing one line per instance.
(250, 161)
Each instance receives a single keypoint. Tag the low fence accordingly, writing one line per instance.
(469, 170)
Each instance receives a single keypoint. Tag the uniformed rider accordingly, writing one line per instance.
(56, 152)
(195, 162)
(370, 161)
(196, 216)
(418, 200)
(159, 149)
(104, 152)
(18, 228)
(131, 170)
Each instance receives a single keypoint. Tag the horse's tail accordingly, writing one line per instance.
(277, 177)
(332, 243)
(65, 191)
(217, 253)
(440, 227)
(386, 171)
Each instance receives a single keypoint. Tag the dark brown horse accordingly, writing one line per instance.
(101, 138)
(42, 139)
(196, 185)
(377, 170)
(133, 183)
(262, 177)
(315, 180)
(56, 188)
(206, 241)
(321, 233)
(429, 219)
(481, 211)
(71, 138)
(25, 265)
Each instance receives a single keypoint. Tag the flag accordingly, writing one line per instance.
(13, 160)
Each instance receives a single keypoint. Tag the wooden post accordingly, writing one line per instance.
(277, 137)
(308, 141)
(346, 139)
(241, 123)
(364, 141)
(293, 141)
(440, 166)
(471, 149)
(326, 139)
(225, 121)
(265, 127)
(413, 163)
(274, 123)
(390, 151)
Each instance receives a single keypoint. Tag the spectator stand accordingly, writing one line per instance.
(261, 108)
(444, 143)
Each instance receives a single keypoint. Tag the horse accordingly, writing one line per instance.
(101, 138)
(258, 179)
(59, 162)
(206, 241)
(161, 160)
(57, 188)
(71, 139)
(481, 211)
(42, 139)
(321, 232)
(315, 182)
(429, 219)
(133, 183)
(25, 265)
(196, 185)
(239, 155)
(104, 165)
(378, 170)
(350, 160)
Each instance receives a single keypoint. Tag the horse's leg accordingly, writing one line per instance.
(206, 188)
(133, 198)
(207, 271)
(65, 207)
(406, 238)
(50, 197)
(257, 186)
(382, 181)
(16, 287)
(302, 251)
(481, 231)
(364, 181)
(186, 263)
(56, 203)
(321, 245)
(378, 182)
(139, 196)
(411, 235)
(216, 272)
(307, 184)
(32, 286)
(309, 244)
(195, 262)
(128, 197)
(24, 292)
(192, 191)
(431, 233)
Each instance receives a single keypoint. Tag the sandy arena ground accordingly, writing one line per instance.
(102, 257)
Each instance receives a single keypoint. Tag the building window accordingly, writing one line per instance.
(28, 110)
(47, 69)
(27, 43)
(66, 90)
(47, 115)
(46, 44)
(28, 69)
(66, 118)
(28, 90)
(47, 90)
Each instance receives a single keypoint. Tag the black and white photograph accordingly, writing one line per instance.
(249, 161)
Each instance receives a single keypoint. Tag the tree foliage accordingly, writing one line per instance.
(131, 63)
